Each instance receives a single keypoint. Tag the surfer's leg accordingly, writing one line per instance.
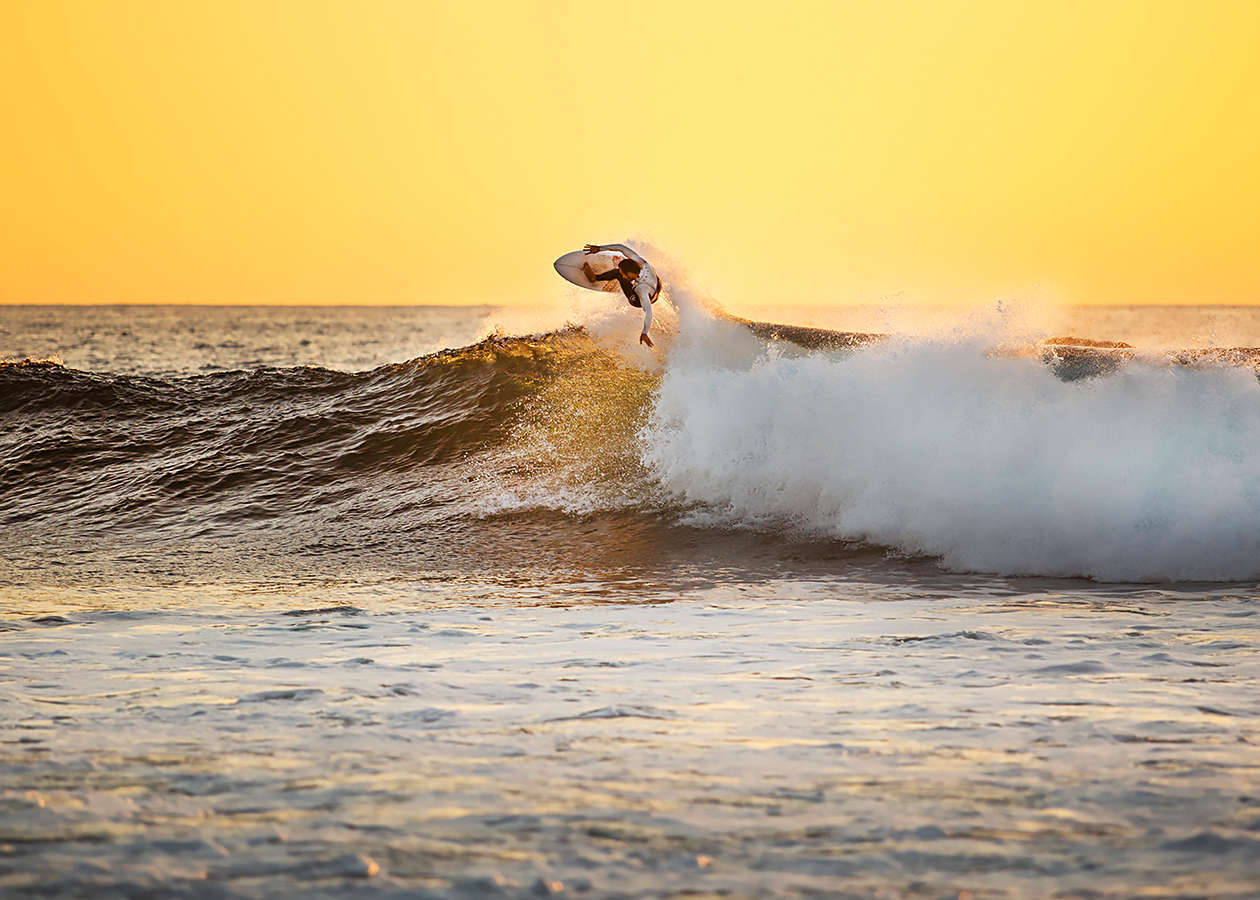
(644, 293)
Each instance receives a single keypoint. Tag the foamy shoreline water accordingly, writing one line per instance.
(805, 737)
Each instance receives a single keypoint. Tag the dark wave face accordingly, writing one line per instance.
(198, 453)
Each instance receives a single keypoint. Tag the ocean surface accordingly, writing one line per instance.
(462, 602)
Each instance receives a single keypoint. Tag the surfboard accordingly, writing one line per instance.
(570, 268)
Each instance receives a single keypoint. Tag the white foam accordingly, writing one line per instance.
(990, 463)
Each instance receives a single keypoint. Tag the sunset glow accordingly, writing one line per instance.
(805, 153)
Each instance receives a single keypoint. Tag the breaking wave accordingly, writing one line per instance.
(990, 462)
(1072, 458)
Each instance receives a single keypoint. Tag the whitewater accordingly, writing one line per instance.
(990, 462)
(482, 602)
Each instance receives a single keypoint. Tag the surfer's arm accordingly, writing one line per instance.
(616, 248)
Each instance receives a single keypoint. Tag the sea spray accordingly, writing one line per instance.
(944, 448)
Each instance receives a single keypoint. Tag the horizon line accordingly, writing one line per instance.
(484, 305)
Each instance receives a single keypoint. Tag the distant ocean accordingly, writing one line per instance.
(336, 601)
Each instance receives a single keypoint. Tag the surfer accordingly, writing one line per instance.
(639, 282)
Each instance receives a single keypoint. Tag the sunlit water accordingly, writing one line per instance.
(524, 619)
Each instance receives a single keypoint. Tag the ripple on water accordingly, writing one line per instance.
(290, 694)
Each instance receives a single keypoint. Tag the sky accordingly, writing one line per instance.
(795, 153)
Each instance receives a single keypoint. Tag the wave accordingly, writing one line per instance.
(1070, 457)
(121, 450)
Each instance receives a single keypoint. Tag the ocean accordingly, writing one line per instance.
(471, 602)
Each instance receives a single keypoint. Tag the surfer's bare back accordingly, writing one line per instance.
(639, 282)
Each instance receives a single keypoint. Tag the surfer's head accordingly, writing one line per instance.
(629, 268)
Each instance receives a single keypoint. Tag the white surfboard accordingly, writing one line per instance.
(570, 268)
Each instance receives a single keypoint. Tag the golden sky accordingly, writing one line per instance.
(379, 151)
